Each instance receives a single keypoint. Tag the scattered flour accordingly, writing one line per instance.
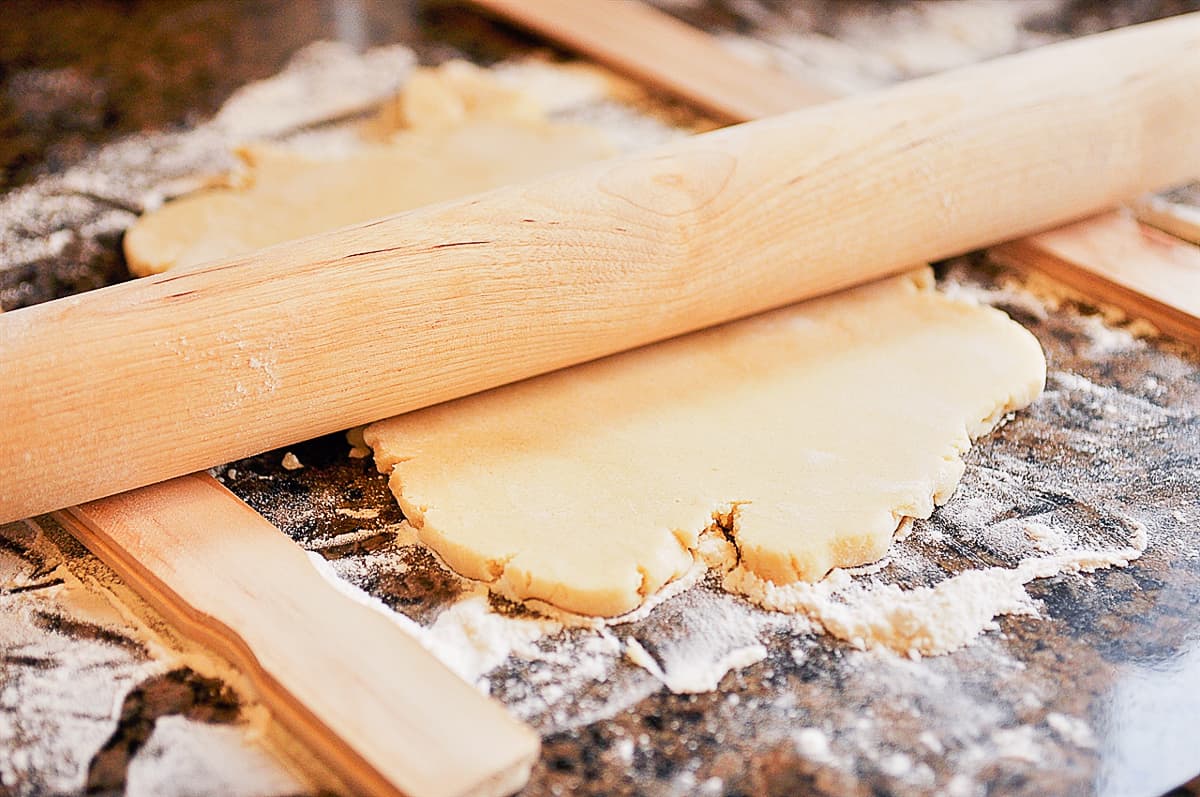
(183, 751)
(468, 637)
(884, 43)
(1020, 743)
(703, 676)
(473, 640)
(55, 716)
(926, 621)
(324, 81)
(1072, 729)
(812, 744)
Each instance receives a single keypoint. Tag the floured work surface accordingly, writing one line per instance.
(1091, 694)
(1092, 697)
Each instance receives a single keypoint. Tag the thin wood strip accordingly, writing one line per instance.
(656, 48)
(1179, 219)
(1118, 259)
(367, 698)
(1155, 278)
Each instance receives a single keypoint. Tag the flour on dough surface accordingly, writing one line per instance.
(812, 431)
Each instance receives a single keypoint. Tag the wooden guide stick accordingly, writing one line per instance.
(1164, 213)
(1108, 257)
(378, 708)
(658, 49)
(170, 374)
(1118, 259)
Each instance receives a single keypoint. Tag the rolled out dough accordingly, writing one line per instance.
(812, 432)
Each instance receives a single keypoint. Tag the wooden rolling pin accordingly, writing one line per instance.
(1110, 257)
(139, 382)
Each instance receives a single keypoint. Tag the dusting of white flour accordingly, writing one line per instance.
(51, 726)
(924, 621)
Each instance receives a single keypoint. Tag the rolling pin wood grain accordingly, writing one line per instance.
(147, 380)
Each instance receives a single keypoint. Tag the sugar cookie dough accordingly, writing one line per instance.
(812, 431)
(459, 133)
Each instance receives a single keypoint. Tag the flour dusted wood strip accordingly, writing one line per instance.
(1151, 282)
(1181, 219)
(369, 699)
(1115, 258)
(658, 49)
(146, 380)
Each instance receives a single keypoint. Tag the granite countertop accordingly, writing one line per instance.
(1097, 695)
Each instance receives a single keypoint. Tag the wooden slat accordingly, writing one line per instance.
(1180, 219)
(1117, 259)
(658, 49)
(368, 699)
(1108, 258)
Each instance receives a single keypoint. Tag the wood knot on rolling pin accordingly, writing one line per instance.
(673, 184)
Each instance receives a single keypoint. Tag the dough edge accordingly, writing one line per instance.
(749, 565)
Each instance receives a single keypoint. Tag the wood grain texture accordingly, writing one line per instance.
(1118, 259)
(171, 374)
(381, 711)
(1108, 257)
(655, 48)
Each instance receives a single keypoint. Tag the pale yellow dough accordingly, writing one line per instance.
(824, 424)
(459, 133)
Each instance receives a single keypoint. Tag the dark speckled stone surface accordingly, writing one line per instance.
(1115, 442)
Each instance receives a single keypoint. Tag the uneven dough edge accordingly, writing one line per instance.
(677, 552)
(873, 540)
(505, 576)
